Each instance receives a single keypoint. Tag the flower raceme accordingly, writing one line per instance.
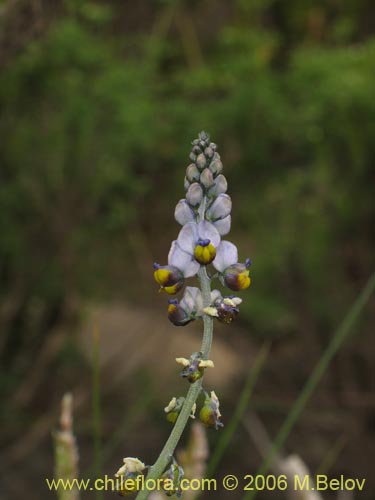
(198, 251)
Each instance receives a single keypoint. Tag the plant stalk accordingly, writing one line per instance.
(167, 452)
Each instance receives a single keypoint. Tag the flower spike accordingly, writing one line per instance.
(204, 214)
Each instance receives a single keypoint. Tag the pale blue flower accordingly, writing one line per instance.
(182, 260)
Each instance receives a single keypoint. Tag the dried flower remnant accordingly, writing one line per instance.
(194, 366)
(128, 475)
(172, 478)
(210, 415)
(174, 407)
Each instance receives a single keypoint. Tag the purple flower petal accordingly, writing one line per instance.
(226, 255)
(220, 208)
(220, 186)
(207, 231)
(183, 213)
(188, 237)
(192, 300)
(182, 260)
(223, 225)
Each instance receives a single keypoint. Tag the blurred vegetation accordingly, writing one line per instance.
(97, 113)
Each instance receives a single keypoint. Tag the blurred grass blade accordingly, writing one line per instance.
(66, 453)
(96, 410)
(241, 407)
(296, 410)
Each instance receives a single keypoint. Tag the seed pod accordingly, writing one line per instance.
(207, 179)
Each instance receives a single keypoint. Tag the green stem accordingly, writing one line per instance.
(161, 463)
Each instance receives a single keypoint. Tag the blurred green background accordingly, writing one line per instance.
(99, 104)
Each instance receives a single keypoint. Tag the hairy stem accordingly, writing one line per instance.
(161, 463)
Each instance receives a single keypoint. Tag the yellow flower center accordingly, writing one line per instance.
(205, 254)
(243, 280)
(171, 290)
(171, 307)
(161, 276)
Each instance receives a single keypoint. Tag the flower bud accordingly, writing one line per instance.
(220, 208)
(201, 161)
(216, 166)
(220, 186)
(204, 137)
(209, 152)
(210, 414)
(186, 184)
(192, 173)
(194, 194)
(236, 277)
(170, 278)
(207, 179)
